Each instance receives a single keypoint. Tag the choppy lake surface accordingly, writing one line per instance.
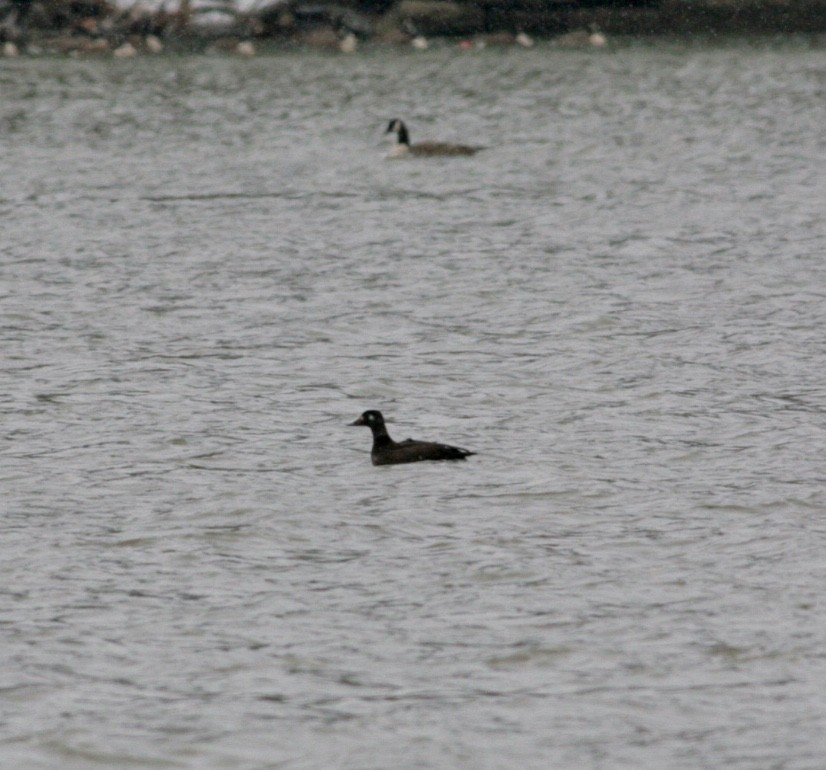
(208, 270)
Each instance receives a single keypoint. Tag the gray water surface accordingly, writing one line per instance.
(208, 270)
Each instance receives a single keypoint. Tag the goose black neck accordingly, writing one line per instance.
(404, 137)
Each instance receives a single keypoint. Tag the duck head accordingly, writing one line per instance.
(371, 418)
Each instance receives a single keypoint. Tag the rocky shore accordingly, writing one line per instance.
(104, 27)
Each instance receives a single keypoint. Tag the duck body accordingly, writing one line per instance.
(403, 147)
(388, 452)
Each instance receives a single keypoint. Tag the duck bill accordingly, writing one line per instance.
(360, 421)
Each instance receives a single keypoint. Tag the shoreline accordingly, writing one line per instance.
(100, 28)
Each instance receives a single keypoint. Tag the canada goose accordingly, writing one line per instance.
(403, 148)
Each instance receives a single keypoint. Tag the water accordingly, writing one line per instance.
(208, 270)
